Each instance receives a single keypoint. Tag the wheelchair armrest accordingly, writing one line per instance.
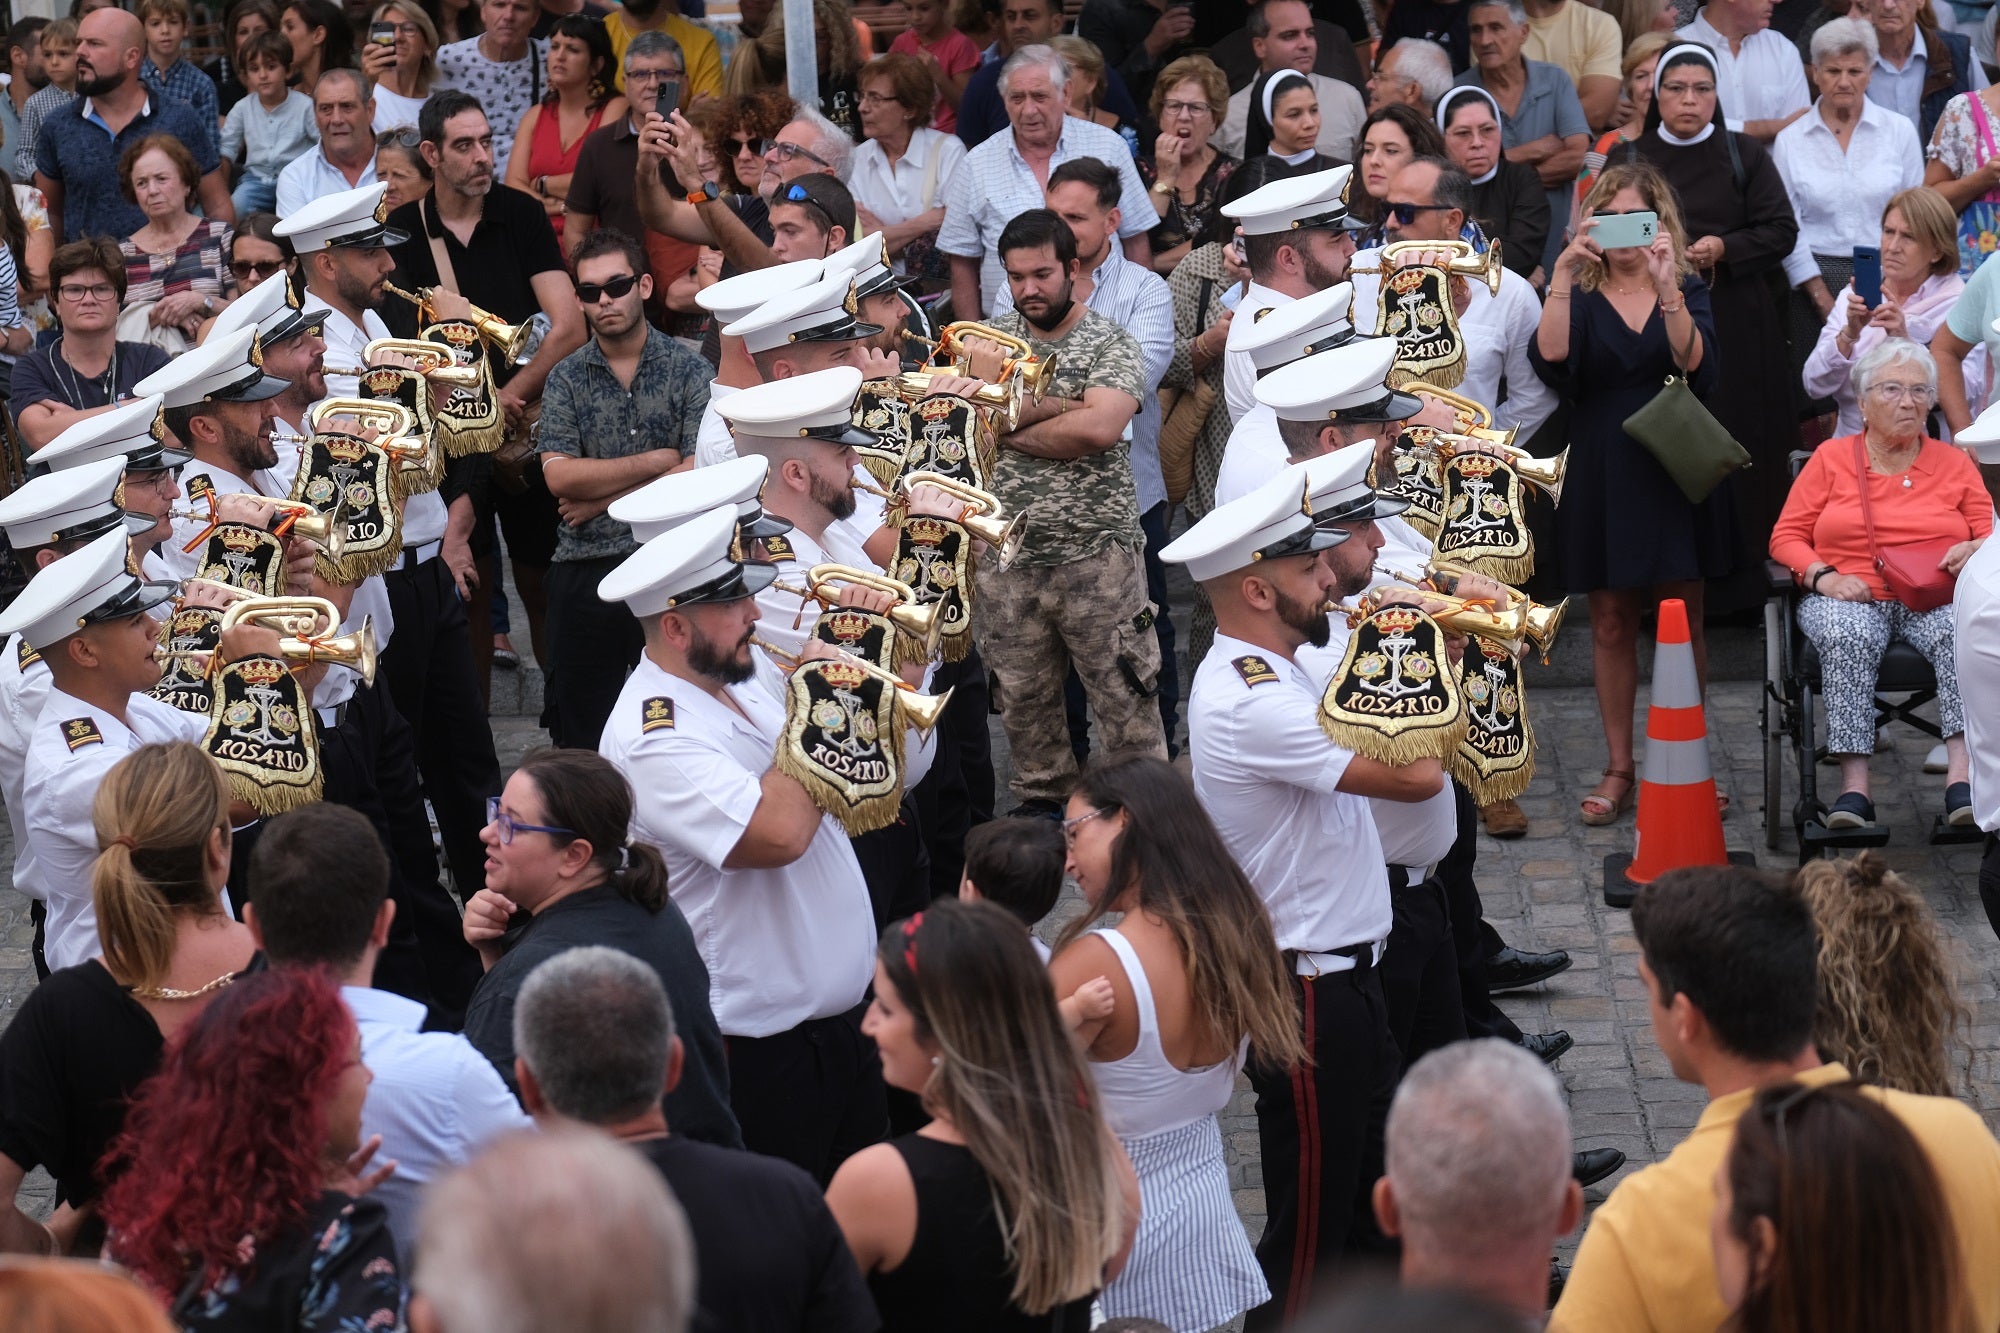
(1781, 583)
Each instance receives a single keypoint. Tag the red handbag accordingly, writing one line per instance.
(1910, 569)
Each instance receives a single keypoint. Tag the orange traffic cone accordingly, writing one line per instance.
(1678, 822)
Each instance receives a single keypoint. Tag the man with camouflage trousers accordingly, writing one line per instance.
(1077, 594)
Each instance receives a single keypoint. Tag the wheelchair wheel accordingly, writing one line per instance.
(1773, 713)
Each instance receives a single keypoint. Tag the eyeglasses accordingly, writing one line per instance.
(1405, 214)
(1900, 393)
(1184, 108)
(1679, 89)
(1070, 826)
(102, 291)
(787, 151)
(254, 270)
(798, 194)
(590, 292)
(651, 75)
(507, 826)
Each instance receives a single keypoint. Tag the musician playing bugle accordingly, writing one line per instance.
(760, 872)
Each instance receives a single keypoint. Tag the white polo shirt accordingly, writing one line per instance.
(1269, 778)
(1976, 641)
(1764, 80)
(71, 748)
(782, 946)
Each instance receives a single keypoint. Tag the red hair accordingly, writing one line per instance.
(228, 1139)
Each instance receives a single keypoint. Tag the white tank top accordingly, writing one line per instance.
(1144, 1093)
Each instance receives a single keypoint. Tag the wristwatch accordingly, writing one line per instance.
(709, 191)
(208, 304)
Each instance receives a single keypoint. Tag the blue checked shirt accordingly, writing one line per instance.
(76, 151)
(587, 413)
(995, 184)
(184, 82)
(1138, 300)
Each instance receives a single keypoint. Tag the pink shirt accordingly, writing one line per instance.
(955, 53)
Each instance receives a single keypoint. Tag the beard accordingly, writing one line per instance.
(353, 288)
(1318, 274)
(707, 657)
(96, 85)
(1052, 312)
(836, 500)
(249, 450)
(1306, 618)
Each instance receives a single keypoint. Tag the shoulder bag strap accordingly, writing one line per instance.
(1985, 124)
(534, 73)
(1867, 510)
(447, 276)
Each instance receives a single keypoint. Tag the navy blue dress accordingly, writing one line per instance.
(1622, 522)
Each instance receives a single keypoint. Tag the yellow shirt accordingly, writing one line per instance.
(1578, 39)
(704, 58)
(1645, 1262)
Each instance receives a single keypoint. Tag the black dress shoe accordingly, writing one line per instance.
(1511, 969)
(1548, 1047)
(1594, 1164)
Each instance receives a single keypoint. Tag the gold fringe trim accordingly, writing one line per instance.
(463, 441)
(1516, 569)
(1485, 789)
(856, 815)
(1438, 377)
(1422, 522)
(352, 567)
(269, 798)
(1437, 743)
(956, 646)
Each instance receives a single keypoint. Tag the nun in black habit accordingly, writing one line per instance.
(1741, 227)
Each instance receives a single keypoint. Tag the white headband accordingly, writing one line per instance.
(1277, 84)
(1699, 52)
(1468, 90)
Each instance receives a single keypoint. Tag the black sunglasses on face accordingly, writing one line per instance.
(1405, 214)
(253, 270)
(589, 292)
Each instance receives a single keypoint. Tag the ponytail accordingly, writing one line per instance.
(153, 815)
(583, 791)
(641, 875)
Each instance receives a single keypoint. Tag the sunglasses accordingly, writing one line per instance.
(590, 292)
(798, 194)
(1405, 214)
(255, 270)
(737, 147)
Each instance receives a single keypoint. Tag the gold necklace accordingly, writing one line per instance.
(1882, 464)
(169, 993)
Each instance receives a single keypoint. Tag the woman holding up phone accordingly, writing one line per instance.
(581, 96)
(1616, 324)
(401, 57)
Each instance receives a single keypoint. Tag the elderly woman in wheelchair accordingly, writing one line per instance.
(1929, 513)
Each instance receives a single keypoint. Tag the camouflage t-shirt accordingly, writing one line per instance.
(1078, 507)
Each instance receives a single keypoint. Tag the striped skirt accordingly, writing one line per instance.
(1192, 1267)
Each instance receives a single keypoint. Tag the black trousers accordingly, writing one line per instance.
(1469, 932)
(958, 791)
(1320, 1129)
(1989, 882)
(428, 672)
(592, 646)
(895, 866)
(812, 1095)
(1420, 969)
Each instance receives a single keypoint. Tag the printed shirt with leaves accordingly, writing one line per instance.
(1080, 507)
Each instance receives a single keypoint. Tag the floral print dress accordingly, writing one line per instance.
(334, 1271)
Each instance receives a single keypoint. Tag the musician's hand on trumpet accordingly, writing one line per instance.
(1461, 291)
(447, 305)
(958, 386)
(985, 360)
(876, 364)
(249, 640)
(1454, 642)
(1435, 413)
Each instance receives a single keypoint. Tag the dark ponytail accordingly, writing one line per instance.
(581, 790)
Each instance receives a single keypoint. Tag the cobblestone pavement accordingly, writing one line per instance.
(1541, 892)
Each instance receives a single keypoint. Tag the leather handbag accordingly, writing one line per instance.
(1909, 568)
(1694, 448)
(1184, 415)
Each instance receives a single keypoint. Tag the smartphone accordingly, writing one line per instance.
(667, 96)
(1624, 231)
(1868, 275)
(382, 34)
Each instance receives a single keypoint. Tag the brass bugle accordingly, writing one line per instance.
(434, 361)
(1458, 615)
(512, 341)
(922, 623)
(1465, 261)
(1036, 373)
(230, 591)
(985, 518)
(913, 385)
(1442, 576)
(1471, 412)
(327, 531)
(387, 419)
(923, 710)
(1544, 474)
(459, 375)
(298, 616)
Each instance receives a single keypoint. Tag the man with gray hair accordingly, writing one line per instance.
(1003, 178)
(604, 189)
(595, 1045)
(1415, 72)
(344, 113)
(562, 1229)
(1477, 1173)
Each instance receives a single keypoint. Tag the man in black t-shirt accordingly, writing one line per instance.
(87, 369)
(501, 255)
(594, 1043)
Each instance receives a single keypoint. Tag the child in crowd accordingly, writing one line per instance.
(950, 54)
(59, 63)
(270, 127)
(1018, 864)
(166, 33)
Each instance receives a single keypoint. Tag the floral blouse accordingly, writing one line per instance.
(1189, 222)
(196, 266)
(1955, 141)
(333, 1272)
(35, 213)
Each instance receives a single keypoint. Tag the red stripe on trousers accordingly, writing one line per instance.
(1305, 1097)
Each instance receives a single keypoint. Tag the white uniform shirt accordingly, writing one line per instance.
(779, 612)
(71, 748)
(782, 946)
(424, 515)
(1765, 80)
(1269, 778)
(712, 441)
(1255, 454)
(1976, 641)
(435, 1100)
(1239, 373)
(1341, 113)
(1497, 331)
(24, 685)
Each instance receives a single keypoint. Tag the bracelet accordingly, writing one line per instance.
(1555, 295)
(1163, 189)
(1812, 584)
(1666, 309)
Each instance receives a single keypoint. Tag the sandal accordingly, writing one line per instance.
(1600, 807)
(1721, 804)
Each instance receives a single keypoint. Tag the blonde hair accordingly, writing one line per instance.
(1930, 217)
(1011, 1080)
(154, 814)
(414, 12)
(760, 61)
(1888, 1007)
(1085, 61)
(1643, 48)
(1658, 195)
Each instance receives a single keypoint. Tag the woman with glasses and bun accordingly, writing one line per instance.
(1197, 980)
(561, 873)
(1015, 1205)
(1829, 1217)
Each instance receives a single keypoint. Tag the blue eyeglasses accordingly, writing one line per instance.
(509, 826)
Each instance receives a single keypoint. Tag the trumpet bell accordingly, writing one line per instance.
(1544, 474)
(924, 711)
(925, 624)
(326, 531)
(357, 651)
(1544, 624)
(1003, 535)
(915, 385)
